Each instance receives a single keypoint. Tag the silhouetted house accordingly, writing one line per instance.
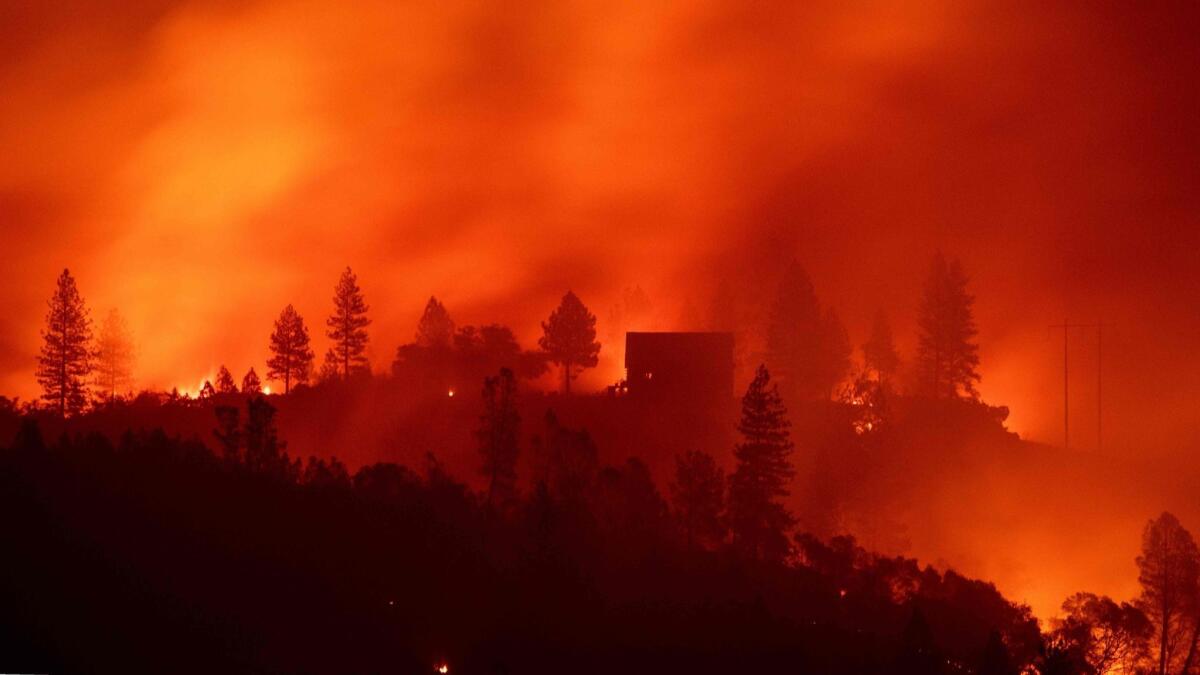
(690, 371)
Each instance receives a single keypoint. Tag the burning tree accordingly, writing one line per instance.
(292, 357)
(66, 358)
(569, 338)
(347, 327)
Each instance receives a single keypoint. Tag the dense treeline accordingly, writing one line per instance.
(156, 553)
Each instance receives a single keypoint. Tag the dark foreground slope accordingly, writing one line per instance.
(154, 555)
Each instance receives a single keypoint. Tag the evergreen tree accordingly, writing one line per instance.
(436, 328)
(569, 338)
(498, 435)
(808, 348)
(330, 369)
(207, 392)
(698, 495)
(879, 352)
(228, 433)
(292, 357)
(225, 383)
(347, 327)
(65, 361)
(263, 447)
(114, 356)
(947, 356)
(757, 516)
(250, 383)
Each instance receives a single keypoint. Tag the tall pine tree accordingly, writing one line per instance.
(347, 327)
(436, 328)
(807, 347)
(65, 361)
(225, 383)
(757, 516)
(114, 357)
(292, 358)
(947, 355)
(569, 338)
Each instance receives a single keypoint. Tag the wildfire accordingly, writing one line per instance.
(450, 393)
(442, 668)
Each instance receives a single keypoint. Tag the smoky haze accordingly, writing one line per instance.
(199, 165)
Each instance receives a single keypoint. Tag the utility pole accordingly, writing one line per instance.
(1066, 326)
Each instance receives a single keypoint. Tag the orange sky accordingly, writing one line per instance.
(200, 164)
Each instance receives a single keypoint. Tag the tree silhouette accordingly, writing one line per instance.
(995, 659)
(66, 357)
(879, 351)
(808, 348)
(263, 447)
(436, 328)
(1169, 572)
(207, 392)
(292, 357)
(114, 356)
(228, 433)
(347, 326)
(757, 517)
(225, 383)
(498, 434)
(698, 495)
(567, 460)
(1098, 635)
(947, 356)
(919, 654)
(250, 383)
(569, 338)
(330, 369)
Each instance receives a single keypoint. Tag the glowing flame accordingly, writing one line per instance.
(451, 395)
(442, 668)
(267, 390)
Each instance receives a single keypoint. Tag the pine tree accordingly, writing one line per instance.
(228, 433)
(879, 352)
(698, 495)
(808, 348)
(250, 383)
(225, 383)
(114, 356)
(757, 515)
(66, 357)
(569, 338)
(292, 357)
(436, 328)
(348, 325)
(207, 392)
(947, 356)
(498, 435)
(330, 369)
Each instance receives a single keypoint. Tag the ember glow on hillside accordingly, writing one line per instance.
(198, 165)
